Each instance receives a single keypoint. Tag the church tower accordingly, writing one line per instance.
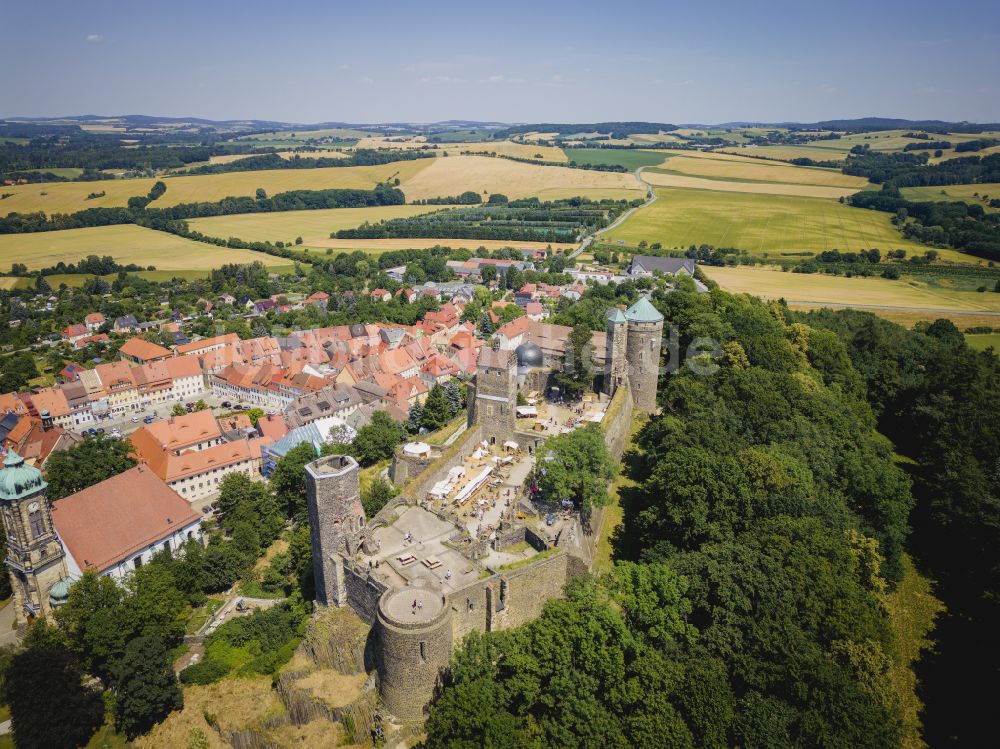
(642, 352)
(615, 366)
(35, 556)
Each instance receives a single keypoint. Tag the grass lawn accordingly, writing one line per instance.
(631, 160)
(820, 289)
(312, 226)
(757, 170)
(758, 223)
(125, 243)
(438, 437)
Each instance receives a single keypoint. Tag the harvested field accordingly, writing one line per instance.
(68, 197)
(456, 174)
(507, 148)
(664, 179)
(819, 289)
(312, 226)
(126, 244)
(231, 157)
(787, 153)
(377, 246)
(758, 170)
(758, 223)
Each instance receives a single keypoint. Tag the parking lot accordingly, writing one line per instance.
(124, 424)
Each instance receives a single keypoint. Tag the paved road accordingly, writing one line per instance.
(650, 199)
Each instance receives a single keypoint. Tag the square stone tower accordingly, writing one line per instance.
(493, 395)
(615, 366)
(336, 522)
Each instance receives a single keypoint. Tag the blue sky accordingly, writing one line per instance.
(509, 61)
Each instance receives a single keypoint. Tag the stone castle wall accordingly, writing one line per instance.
(363, 592)
(617, 422)
(437, 470)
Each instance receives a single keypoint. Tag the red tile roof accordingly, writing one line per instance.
(110, 521)
(143, 351)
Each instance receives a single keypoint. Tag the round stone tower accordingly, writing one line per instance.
(414, 627)
(642, 352)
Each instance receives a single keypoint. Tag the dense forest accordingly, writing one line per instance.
(745, 608)
(912, 170)
(938, 400)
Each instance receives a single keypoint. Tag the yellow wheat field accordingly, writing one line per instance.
(485, 175)
(312, 226)
(68, 197)
(764, 188)
(761, 171)
(377, 246)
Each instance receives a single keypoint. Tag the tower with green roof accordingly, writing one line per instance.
(35, 557)
(644, 329)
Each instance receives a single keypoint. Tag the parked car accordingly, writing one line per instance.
(148, 420)
(101, 430)
(92, 432)
(116, 433)
(239, 407)
(227, 404)
(135, 419)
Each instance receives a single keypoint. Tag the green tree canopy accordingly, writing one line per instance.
(86, 463)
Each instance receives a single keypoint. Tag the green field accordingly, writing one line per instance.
(984, 341)
(631, 160)
(126, 244)
(966, 193)
(757, 223)
(312, 226)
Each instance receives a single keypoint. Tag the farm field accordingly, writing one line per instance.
(757, 170)
(126, 244)
(951, 153)
(312, 226)
(456, 174)
(337, 133)
(954, 192)
(821, 289)
(662, 178)
(758, 223)
(984, 341)
(228, 158)
(68, 197)
(631, 160)
(507, 148)
(378, 246)
(787, 153)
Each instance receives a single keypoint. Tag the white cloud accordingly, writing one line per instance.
(441, 79)
(95, 38)
(366, 79)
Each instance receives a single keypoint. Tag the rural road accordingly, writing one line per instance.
(650, 199)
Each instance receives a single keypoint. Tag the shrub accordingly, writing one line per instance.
(204, 673)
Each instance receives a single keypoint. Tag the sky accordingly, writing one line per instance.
(513, 61)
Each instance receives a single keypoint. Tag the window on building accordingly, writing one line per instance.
(37, 524)
(137, 562)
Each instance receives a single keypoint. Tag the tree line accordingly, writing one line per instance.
(745, 605)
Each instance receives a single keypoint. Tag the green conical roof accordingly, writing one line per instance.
(643, 311)
(59, 593)
(18, 480)
(615, 315)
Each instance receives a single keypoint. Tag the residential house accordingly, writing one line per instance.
(125, 324)
(73, 333)
(94, 321)
(140, 351)
(648, 265)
